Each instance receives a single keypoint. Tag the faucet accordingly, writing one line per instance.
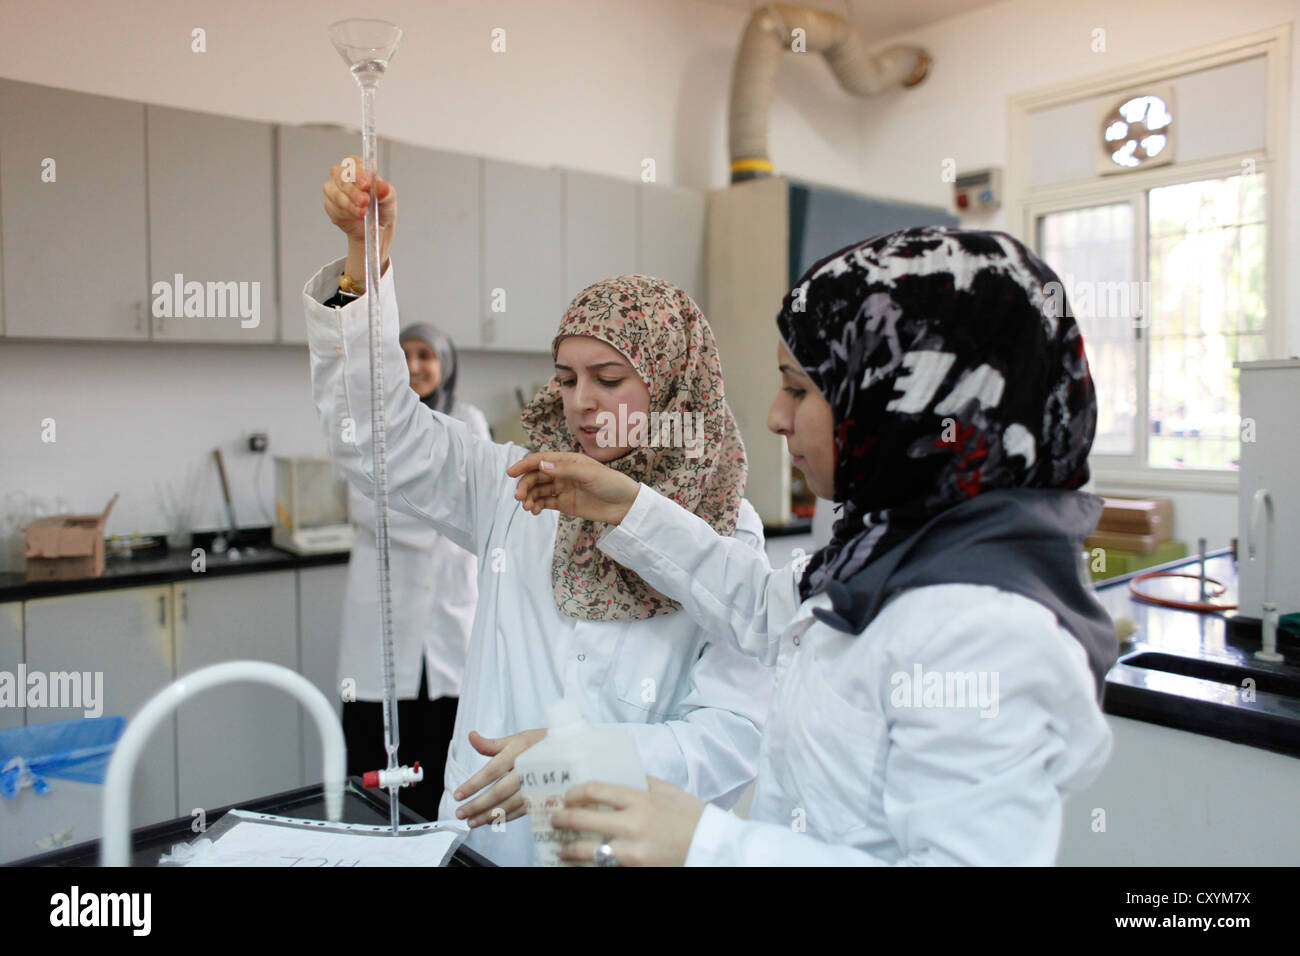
(115, 844)
(1262, 505)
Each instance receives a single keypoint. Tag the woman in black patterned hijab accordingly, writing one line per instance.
(954, 369)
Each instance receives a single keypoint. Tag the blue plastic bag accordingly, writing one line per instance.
(68, 749)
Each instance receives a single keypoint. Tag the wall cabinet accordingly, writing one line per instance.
(672, 237)
(72, 191)
(89, 225)
(440, 240)
(211, 220)
(523, 243)
(307, 239)
(600, 232)
(490, 251)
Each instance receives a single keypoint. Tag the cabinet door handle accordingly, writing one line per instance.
(139, 316)
(185, 605)
(162, 610)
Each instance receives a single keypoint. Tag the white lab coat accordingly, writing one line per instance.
(434, 587)
(695, 707)
(854, 770)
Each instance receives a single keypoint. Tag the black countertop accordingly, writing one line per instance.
(1212, 645)
(165, 566)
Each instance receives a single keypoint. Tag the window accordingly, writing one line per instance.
(1173, 266)
(1091, 246)
(1199, 307)
(1206, 264)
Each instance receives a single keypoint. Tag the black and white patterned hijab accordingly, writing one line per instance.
(964, 414)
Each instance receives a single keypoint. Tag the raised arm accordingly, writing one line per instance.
(439, 469)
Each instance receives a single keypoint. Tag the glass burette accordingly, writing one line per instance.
(366, 47)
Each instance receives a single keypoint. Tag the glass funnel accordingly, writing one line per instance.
(366, 47)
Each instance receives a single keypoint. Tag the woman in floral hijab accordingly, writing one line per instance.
(666, 338)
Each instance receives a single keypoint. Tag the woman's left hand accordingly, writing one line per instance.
(500, 770)
(643, 829)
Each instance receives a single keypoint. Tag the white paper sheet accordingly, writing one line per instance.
(263, 840)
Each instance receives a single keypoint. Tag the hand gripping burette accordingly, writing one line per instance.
(366, 47)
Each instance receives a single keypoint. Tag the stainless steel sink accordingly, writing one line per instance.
(1280, 679)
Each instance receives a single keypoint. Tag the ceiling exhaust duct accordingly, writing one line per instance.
(770, 33)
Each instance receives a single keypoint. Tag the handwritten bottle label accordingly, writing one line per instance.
(543, 792)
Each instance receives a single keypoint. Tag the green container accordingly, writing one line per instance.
(1109, 562)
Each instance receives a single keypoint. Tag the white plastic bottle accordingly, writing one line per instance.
(572, 752)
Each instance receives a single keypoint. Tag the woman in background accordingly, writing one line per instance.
(434, 590)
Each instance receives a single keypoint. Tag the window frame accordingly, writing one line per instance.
(1026, 204)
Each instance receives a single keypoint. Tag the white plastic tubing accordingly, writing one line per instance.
(768, 35)
(115, 844)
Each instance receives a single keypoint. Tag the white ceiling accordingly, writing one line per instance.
(877, 20)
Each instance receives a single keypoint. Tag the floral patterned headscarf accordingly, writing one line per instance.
(667, 340)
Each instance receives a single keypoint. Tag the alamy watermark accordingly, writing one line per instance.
(953, 689)
(651, 430)
(129, 910)
(39, 689)
(211, 300)
(1091, 299)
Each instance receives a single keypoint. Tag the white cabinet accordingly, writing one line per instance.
(600, 231)
(238, 741)
(438, 242)
(211, 221)
(672, 221)
(124, 636)
(1173, 798)
(1270, 461)
(228, 745)
(72, 190)
(11, 655)
(523, 241)
(320, 606)
(748, 267)
(308, 240)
